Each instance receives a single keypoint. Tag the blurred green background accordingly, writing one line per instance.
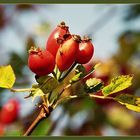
(115, 32)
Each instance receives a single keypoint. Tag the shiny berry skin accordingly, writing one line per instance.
(85, 52)
(66, 54)
(41, 62)
(58, 35)
(9, 111)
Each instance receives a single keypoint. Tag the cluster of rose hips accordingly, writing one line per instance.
(8, 114)
(62, 50)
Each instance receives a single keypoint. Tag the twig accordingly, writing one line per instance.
(41, 115)
(101, 97)
(21, 90)
(88, 95)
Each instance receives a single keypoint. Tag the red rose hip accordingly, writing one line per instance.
(66, 54)
(41, 62)
(85, 52)
(58, 35)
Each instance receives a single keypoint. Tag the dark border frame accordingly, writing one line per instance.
(69, 1)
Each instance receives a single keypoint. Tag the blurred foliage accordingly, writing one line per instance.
(129, 47)
(126, 122)
(24, 7)
(127, 57)
(133, 12)
(43, 128)
(2, 17)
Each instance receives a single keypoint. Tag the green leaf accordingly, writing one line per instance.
(53, 96)
(80, 73)
(117, 84)
(126, 98)
(76, 78)
(93, 85)
(130, 101)
(49, 84)
(7, 77)
(133, 107)
(40, 79)
(80, 69)
(46, 83)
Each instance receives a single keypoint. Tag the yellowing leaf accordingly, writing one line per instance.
(126, 98)
(93, 85)
(133, 107)
(130, 101)
(114, 115)
(36, 92)
(117, 84)
(93, 82)
(7, 77)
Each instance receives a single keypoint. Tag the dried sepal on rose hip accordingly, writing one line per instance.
(41, 62)
(66, 54)
(57, 37)
(85, 51)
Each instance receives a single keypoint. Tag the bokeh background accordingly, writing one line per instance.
(115, 33)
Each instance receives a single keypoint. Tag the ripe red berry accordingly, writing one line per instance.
(9, 111)
(66, 54)
(41, 62)
(59, 34)
(85, 51)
